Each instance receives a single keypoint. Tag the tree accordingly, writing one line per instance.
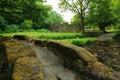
(16, 11)
(3, 24)
(115, 7)
(79, 7)
(75, 20)
(54, 17)
(100, 13)
(26, 24)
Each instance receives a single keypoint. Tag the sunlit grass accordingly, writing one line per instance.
(80, 41)
(73, 38)
(49, 35)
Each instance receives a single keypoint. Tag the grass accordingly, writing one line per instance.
(73, 38)
(80, 41)
(48, 35)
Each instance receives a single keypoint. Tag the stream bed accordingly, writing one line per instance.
(51, 68)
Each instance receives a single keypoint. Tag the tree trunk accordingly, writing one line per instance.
(102, 28)
(82, 26)
(82, 23)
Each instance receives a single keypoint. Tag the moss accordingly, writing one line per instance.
(16, 49)
(27, 68)
(3, 38)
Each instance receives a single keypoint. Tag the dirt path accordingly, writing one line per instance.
(52, 70)
(106, 37)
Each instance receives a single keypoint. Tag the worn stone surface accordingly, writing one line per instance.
(87, 63)
(12, 50)
(4, 38)
(51, 68)
(27, 68)
(80, 60)
(16, 49)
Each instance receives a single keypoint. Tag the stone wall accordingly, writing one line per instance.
(64, 28)
(79, 60)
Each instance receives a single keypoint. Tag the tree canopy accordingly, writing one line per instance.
(54, 17)
(101, 14)
(75, 20)
(79, 7)
(16, 11)
(93, 12)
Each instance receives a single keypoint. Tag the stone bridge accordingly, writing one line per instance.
(24, 58)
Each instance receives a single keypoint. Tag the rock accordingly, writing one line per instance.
(19, 54)
(16, 49)
(3, 58)
(27, 68)
(23, 37)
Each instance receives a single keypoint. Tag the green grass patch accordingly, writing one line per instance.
(73, 38)
(80, 41)
(48, 35)
(58, 36)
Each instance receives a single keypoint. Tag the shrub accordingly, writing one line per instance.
(116, 36)
(80, 41)
(3, 24)
(12, 28)
(83, 42)
(27, 24)
(1, 31)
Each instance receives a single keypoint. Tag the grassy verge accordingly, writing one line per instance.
(73, 38)
(48, 35)
(80, 41)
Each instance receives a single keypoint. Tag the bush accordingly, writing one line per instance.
(80, 41)
(116, 36)
(1, 31)
(12, 28)
(3, 24)
(83, 42)
(27, 24)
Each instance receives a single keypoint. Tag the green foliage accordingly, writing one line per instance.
(73, 38)
(12, 28)
(79, 7)
(115, 7)
(116, 36)
(80, 41)
(100, 14)
(3, 24)
(75, 20)
(26, 24)
(47, 35)
(54, 17)
(16, 11)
